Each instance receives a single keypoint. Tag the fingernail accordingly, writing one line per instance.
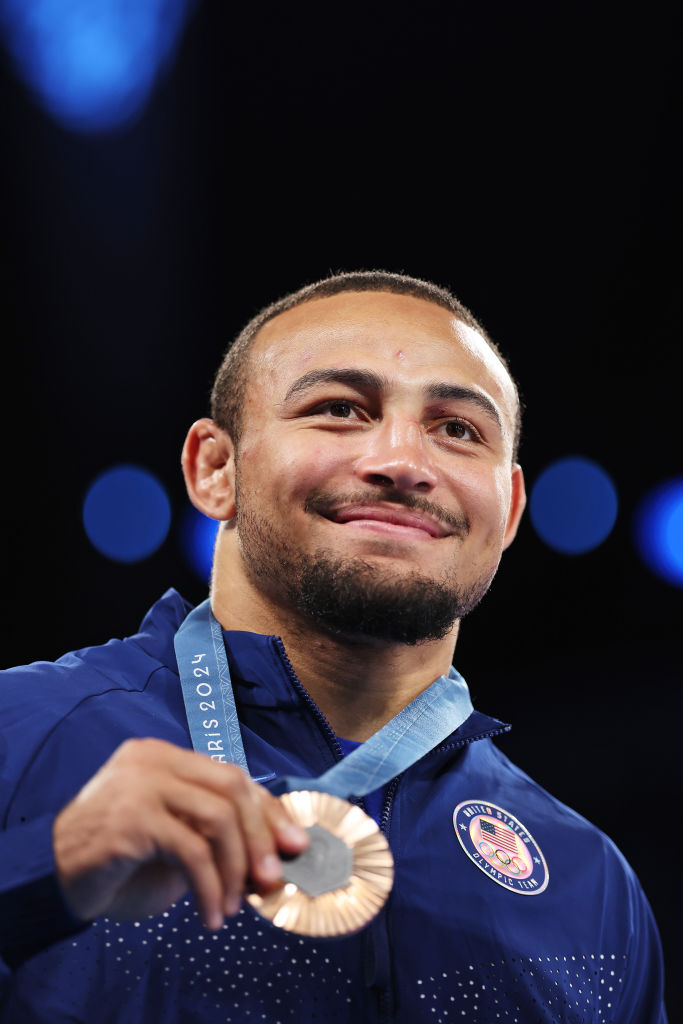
(271, 866)
(232, 905)
(294, 834)
(215, 920)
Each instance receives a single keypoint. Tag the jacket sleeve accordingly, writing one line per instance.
(53, 739)
(33, 913)
(641, 999)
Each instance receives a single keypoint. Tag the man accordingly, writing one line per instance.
(362, 460)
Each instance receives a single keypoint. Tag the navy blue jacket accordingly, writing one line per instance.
(458, 939)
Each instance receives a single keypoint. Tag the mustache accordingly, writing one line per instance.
(321, 502)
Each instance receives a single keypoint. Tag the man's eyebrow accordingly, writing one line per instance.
(459, 393)
(362, 380)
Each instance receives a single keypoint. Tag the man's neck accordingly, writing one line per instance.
(358, 683)
(360, 688)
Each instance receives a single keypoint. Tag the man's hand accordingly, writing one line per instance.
(156, 820)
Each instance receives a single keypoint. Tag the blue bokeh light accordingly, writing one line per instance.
(659, 531)
(126, 514)
(92, 63)
(197, 540)
(573, 505)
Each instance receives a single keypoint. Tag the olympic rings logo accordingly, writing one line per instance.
(514, 865)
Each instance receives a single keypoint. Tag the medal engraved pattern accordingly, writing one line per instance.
(359, 893)
(325, 864)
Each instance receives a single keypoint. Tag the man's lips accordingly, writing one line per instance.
(385, 517)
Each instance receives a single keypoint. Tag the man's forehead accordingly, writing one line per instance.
(366, 324)
(348, 310)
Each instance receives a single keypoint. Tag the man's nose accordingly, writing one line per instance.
(398, 455)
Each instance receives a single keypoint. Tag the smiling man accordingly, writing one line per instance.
(368, 496)
(361, 457)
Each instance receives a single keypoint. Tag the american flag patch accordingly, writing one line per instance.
(501, 846)
(504, 837)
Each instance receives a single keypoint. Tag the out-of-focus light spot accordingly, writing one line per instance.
(573, 505)
(197, 540)
(92, 63)
(126, 514)
(659, 531)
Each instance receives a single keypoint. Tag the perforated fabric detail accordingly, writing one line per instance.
(252, 971)
(526, 990)
(247, 971)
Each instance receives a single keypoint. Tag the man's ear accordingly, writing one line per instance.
(209, 468)
(517, 505)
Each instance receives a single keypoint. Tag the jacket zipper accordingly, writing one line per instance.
(385, 994)
(488, 734)
(324, 725)
(334, 744)
(379, 934)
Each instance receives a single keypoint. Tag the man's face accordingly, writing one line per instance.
(374, 485)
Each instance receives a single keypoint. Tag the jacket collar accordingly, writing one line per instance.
(264, 676)
(261, 671)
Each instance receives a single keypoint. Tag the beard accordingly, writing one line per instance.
(350, 596)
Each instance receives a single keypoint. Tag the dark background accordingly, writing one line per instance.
(527, 156)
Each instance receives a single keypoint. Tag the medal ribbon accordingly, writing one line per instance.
(214, 727)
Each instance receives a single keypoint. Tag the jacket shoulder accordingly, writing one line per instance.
(103, 666)
(561, 827)
(34, 698)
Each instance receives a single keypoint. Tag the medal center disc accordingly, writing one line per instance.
(325, 865)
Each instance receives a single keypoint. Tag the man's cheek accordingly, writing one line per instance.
(319, 466)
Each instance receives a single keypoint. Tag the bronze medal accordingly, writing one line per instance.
(341, 880)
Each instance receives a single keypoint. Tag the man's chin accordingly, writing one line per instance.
(358, 594)
(355, 598)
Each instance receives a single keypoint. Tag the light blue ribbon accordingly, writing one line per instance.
(214, 727)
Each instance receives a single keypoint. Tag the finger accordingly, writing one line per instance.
(258, 818)
(263, 819)
(290, 837)
(217, 820)
(263, 830)
(231, 781)
(194, 853)
(266, 827)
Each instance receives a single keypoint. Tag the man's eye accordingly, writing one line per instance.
(341, 409)
(338, 408)
(461, 431)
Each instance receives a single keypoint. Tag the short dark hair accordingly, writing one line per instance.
(228, 392)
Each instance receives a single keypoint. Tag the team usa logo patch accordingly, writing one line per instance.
(500, 846)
